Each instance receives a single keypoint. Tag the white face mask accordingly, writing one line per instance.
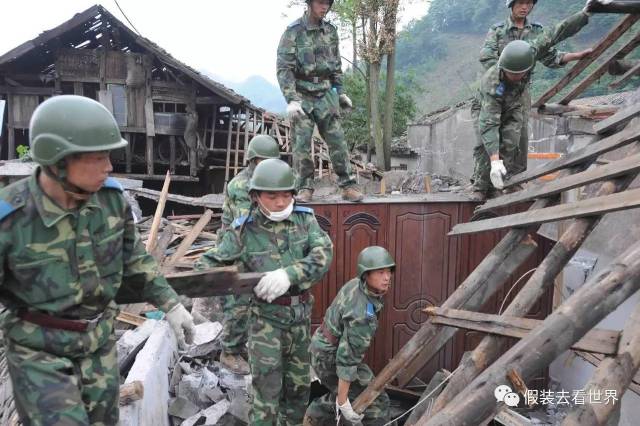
(278, 216)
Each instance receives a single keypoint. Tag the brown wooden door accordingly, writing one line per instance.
(327, 219)
(425, 275)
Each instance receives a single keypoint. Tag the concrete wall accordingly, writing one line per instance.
(446, 145)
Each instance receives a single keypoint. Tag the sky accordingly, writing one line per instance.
(233, 39)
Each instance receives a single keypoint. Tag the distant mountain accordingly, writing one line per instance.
(256, 88)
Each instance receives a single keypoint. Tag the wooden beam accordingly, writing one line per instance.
(172, 154)
(626, 77)
(612, 170)
(208, 283)
(619, 118)
(131, 392)
(149, 156)
(621, 66)
(601, 70)
(190, 238)
(596, 299)
(597, 340)
(24, 90)
(614, 374)
(211, 201)
(591, 207)
(228, 158)
(11, 131)
(606, 42)
(245, 144)
(471, 294)
(596, 360)
(630, 134)
(157, 217)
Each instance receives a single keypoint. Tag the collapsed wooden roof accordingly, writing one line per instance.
(94, 28)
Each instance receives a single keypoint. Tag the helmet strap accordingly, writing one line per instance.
(76, 193)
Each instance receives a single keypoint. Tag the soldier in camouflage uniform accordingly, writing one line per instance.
(237, 204)
(502, 105)
(286, 242)
(339, 345)
(67, 242)
(310, 77)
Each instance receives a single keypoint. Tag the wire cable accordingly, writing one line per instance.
(127, 18)
(512, 287)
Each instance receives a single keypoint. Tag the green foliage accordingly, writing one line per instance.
(356, 122)
(22, 151)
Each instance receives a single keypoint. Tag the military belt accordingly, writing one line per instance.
(328, 335)
(292, 300)
(312, 79)
(49, 321)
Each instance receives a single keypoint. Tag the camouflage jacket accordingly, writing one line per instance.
(237, 201)
(353, 319)
(297, 244)
(502, 104)
(71, 263)
(305, 52)
(503, 33)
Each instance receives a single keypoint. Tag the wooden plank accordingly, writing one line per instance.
(190, 238)
(11, 131)
(157, 217)
(148, 117)
(212, 201)
(246, 136)
(214, 118)
(127, 151)
(105, 97)
(129, 318)
(78, 88)
(509, 417)
(149, 156)
(228, 158)
(597, 340)
(208, 283)
(596, 360)
(24, 90)
(630, 134)
(235, 156)
(131, 392)
(621, 117)
(582, 64)
(591, 207)
(614, 169)
(172, 154)
(602, 69)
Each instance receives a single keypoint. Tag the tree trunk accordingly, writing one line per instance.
(374, 117)
(596, 299)
(389, 100)
(354, 39)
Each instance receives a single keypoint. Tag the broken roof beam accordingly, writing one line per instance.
(611, 170)
(602, 69)
(613, 374)
(606, 42)
(630, 134)
(207, 283)
(590, 207)
(490, 348)
(597, 340)
(476, 289)
(563, 328)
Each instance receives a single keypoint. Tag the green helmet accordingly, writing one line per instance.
(373, 258)
(263, 146)
(511, 2)
(272, 175)
(517, 57)
(330, 1)
(68, 124)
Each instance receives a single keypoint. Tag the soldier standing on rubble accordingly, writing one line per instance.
(340, 343)
(286, 242)
(501, 108)
(67, 243)
(237, 204)
(310, 77)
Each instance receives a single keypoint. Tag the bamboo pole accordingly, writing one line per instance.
(157, 217)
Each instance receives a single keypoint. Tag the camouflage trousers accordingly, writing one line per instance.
(236, 323)
(514, 147)
(324, 112)
(279, 339)
(55, 390)
(323, 410)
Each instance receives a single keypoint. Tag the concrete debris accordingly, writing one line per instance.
(211, 415)
(131, 339)
(206, 339)
(182, 408)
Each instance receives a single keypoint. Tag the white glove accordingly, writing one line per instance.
(181, 322)
(345, 102)
(273, 285)
(295, 111)
(497, 172)
(348, 413)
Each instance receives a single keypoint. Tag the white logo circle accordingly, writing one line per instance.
(501, 391)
